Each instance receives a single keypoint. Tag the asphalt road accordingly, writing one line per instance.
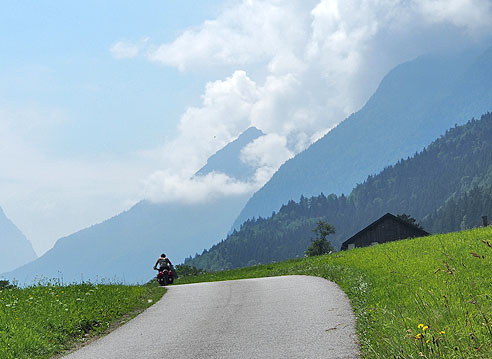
(280, 317)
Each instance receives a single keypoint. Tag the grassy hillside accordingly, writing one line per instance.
(41, 321)
(427, 297)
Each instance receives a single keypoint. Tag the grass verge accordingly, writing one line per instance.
(427, 297)
(44, 320)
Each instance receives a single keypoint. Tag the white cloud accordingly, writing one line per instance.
(245, 32)
(228, 108)
(169, 187)
(298, 68)
(266, 153)
(269, 150)
(473, 15)
(202, 131)
(285, 33)
(223, 116)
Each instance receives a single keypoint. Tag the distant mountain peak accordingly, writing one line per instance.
(227, 160)
(16, 250)
(251, 133)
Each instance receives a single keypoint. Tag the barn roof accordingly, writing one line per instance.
(378, 221)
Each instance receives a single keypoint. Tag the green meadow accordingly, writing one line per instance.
(45, 320)
(427, 297)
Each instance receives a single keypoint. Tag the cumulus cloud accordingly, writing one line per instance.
(298, 67)
(269, 150)
(245, 32)
(203, 130)
(266, 154)
(276, 32)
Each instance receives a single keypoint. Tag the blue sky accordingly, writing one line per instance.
(55, 55)
(105, 103)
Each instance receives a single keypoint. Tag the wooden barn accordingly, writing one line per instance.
(386, 229)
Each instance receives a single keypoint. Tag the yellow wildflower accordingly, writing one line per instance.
(421, 325)
(442, 332)
(418, 336)
(425, 327)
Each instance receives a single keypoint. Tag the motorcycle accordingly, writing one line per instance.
(165, 276)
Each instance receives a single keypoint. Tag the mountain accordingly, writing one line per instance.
(125, 247)
(447, 187)
(414, 104)
(226, 159)
(15, 248)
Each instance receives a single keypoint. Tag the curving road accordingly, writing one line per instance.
(279, 317)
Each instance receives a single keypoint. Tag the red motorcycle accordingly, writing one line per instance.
(165, 276)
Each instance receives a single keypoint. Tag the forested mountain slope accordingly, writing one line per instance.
(429, 186)
(125, 247)
(414, 104)
(462, 211)
(15, 248)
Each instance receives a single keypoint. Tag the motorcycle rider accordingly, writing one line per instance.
(163, 262)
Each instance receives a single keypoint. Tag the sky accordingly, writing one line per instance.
(103, 104)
